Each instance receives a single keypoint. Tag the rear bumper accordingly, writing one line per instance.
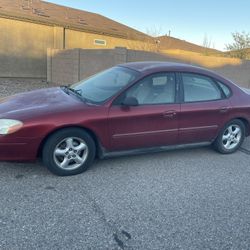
(18, 149)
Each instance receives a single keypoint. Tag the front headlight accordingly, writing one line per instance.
(8, 126)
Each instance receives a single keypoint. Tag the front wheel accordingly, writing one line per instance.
(69, 152)
(231, 137)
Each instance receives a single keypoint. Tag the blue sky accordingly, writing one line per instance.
(190, 20)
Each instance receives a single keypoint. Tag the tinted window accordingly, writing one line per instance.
(199, 88)
(154, 89)
(225, 89)
(104, 85)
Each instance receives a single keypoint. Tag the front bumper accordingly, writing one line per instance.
(18, 149)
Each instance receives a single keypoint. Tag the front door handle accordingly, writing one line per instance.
(169, 114)
(224, 109)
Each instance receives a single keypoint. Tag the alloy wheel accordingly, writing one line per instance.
(71, 153)
(232, 137)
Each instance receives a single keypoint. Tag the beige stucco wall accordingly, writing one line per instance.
(78, 39)
(23, 48)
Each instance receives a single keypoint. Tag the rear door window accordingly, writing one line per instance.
(198, 88)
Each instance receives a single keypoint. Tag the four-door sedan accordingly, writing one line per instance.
(130, 108)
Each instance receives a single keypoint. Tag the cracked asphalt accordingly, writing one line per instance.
(183, 199)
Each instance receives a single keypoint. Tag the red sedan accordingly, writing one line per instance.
(130, 108)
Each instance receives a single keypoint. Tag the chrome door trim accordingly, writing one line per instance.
(116, 136)
(199, 128)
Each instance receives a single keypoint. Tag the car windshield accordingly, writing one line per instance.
(104, 85)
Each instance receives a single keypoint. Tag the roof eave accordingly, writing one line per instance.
(64, 25)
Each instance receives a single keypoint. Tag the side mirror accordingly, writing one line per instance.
(130, 101)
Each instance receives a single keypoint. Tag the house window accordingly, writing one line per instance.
(100, 42)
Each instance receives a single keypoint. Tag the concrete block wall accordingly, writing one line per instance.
(240, 74)
(93, 61)
(70, 66)
(63, 66)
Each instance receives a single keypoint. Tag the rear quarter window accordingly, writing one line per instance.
(226, 90)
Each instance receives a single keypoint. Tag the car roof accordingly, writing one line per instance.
(146, 66)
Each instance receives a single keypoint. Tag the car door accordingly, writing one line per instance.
(153, 122)
(204, 109)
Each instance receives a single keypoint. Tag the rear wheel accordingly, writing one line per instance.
(69, 152)
(231, 137)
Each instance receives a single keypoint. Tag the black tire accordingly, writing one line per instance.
(219, 143)
(63, 138)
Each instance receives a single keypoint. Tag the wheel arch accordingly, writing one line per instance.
(246, 123)
(218, 142)
(89, 131)
(243, 120)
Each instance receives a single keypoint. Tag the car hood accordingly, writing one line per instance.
(33, 103)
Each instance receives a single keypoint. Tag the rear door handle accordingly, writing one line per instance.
(169, 114)
(224, 109)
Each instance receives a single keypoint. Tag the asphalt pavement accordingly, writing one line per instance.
(183, 199)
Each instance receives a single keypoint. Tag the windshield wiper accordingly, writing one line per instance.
(77, 92)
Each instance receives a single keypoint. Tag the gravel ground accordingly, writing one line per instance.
(184, 199)
(13, 86)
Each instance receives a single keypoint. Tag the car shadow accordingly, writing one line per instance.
(18, 170)
(153, 157)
